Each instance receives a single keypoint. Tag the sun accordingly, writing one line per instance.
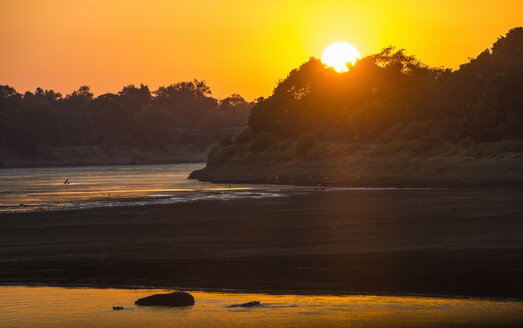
(338, 54)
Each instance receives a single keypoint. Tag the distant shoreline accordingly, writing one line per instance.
(37, 165)
(98, 156)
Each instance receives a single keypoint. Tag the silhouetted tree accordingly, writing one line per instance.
(484, 97)
(182, 113)
(79, 97)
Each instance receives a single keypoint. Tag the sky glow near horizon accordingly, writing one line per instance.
(236, 46)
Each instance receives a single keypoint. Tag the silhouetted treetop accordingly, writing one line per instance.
(80, 97)
(195, 89)
(179, 114)
(391, 88)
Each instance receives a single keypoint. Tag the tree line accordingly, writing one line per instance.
(178, 114)
(388, 96)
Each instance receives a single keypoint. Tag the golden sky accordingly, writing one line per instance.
(236, 46)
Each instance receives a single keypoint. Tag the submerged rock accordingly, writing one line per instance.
(249, 304)
(171, 299)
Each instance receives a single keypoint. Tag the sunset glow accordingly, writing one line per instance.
(236, 47)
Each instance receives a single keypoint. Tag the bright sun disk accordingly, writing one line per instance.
(338, 54)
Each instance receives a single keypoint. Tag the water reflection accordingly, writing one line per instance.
(102, 186)
(85, 307)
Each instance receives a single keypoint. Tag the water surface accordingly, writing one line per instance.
(85, 307)
(33, 189)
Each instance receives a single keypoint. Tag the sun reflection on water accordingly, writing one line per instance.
(86, 307)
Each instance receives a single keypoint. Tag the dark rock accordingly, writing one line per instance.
(171, 299)
(249, 304)
(116, 308)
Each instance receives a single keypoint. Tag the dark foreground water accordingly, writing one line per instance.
(84, 307)
(430, 242)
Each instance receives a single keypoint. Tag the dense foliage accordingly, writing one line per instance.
(179, 114)
(390, 96)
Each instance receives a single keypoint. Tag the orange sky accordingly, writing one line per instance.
(236, 46)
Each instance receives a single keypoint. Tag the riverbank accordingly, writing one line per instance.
(430, 242)
(498, 165)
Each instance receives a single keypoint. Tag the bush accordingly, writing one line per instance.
(304, 144)
(262, 141)
(244, 136)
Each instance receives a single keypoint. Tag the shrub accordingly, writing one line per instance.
(262, 141)
(304, 144)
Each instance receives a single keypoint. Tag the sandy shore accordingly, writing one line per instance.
(434, 242)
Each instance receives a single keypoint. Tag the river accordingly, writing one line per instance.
(87, 307)
(37, 189)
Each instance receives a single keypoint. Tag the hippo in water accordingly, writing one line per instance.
(249, 304)
(171, 299)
